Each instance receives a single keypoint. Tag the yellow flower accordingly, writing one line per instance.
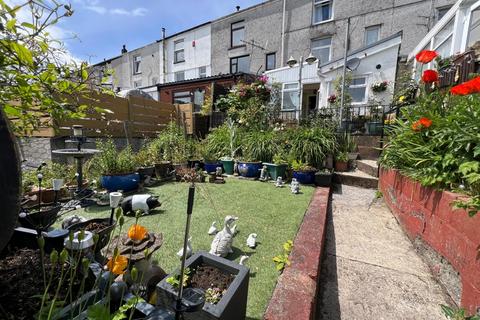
(117, 264)
(401, 99)
(137, 232)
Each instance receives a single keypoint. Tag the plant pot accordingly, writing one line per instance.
(145, 172)
(212, 166)
(374, 128)
(323, 179)
(249, 169)
(40, 219)
(125, 182)
(228, 166)
(276, 170)
(47, 195)
(162, 169)
(232, 305)
(341, 166)
(353, 156)
(103, 234)
(305, 177)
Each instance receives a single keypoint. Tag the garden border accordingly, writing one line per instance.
(295, 295)
(427, 214)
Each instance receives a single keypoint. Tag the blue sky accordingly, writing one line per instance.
(99, 28)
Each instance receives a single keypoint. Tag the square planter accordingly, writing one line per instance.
(323, 179)
(276, 170)
(232, 306)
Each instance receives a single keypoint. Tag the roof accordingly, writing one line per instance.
(210, 78)
(244, 10)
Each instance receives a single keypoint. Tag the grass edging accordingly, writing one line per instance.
(295, 294)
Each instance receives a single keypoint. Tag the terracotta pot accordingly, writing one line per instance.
(341, 166)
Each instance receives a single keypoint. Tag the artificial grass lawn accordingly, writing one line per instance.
(273, 213)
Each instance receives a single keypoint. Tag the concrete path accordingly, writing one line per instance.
(371, 270)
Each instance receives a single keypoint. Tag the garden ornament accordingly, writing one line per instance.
(234, 229)
(252, 240)
(213, 228)
(218, 171)
(222, 243)
(243, 260)
(263, 174)
(135, 250)
(78, 242)
(142, 202)
(71, 220)
(279, 183)
(189, 249)
(295, 186)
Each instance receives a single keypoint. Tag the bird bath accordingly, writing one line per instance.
(78, 154)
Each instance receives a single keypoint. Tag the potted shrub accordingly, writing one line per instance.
(50, 171)
(229, 304)
(117, 169)
(323, 178)
(145, 161)
(257, 146)
(341, 162)
(304, 173)
(278, 168)
(210, 160)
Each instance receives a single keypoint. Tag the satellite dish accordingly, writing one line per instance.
(353, 64)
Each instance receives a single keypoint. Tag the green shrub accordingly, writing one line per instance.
(51, 171)
(261, 145)
(110, 161)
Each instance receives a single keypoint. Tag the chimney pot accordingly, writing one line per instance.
(238, 8)
(124, 49)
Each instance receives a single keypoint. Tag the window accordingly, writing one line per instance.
(270, 62)
(372, 34)
(321, 49)
(182, 97)
(474, 29)
(137, 61)
(358, 90)
(442, 42)
(238, 34)
(179, 53)
(441, 12)
(198, 99)
(240, 64)
(322, 10)
(180, 76)
(290, 96)
(202, 72)
(137, 84)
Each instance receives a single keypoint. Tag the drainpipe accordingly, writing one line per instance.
(164, 57)
(283, 33)
(345, 57)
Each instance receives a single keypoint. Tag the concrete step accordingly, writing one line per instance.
(368, 166)
(368, 153)
(356, 178)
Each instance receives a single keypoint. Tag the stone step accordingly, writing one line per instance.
(368, 166)
(368, 153)
(356, 178)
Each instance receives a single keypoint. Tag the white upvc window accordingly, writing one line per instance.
(179, 52)
(179, 76)
(322, 49)
(322, 11)
(290, 96)
(474, 28)
(202, 72)
(372, 34)
(358, 90)
(137, 61)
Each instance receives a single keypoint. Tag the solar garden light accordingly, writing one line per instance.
(40, 178)
(57, 185)
(115, 198)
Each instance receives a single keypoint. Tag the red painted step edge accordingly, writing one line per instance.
(428, 214)
(295, 295)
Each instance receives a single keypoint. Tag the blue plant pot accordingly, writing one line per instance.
(212, 167)
(124, 182)
(304, 177)
(249, 169)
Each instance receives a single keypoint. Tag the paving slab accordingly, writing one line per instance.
(371, 269)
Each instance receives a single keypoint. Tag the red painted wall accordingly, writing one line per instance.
(428, 213)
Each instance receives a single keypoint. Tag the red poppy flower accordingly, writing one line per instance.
(430, 76)
(426, 56)
(422, 123)
(469, 87)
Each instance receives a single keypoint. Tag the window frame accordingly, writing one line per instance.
(178, 72)
(176, 51)
(200, 73)
(274, 54)
(377, 27)
(232, 30)
(317, 3)
(135, 63)
(444, 9)
(365, 85)
(322, 47)
(297, 89)
(238, 57)
(189, 95)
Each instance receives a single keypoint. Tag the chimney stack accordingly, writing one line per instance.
(238, 8)
(124, 49)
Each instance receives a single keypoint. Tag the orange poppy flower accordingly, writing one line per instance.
(117, 264)
(469, 87)
(422, 123)
(426, 56)
(430, 76)
(137, 232)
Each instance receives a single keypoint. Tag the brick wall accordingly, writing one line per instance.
(427, 214)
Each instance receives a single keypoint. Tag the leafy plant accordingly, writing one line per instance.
(51, 171)
(298, 165)
(110, 162)
(346, 143)
(281, 260)
(457, 314)
(145, 157)
(341, 157)
(174, 280)
(260, 145)
(169, 144)
(213, 295)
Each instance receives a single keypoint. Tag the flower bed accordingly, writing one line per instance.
(428, 214)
